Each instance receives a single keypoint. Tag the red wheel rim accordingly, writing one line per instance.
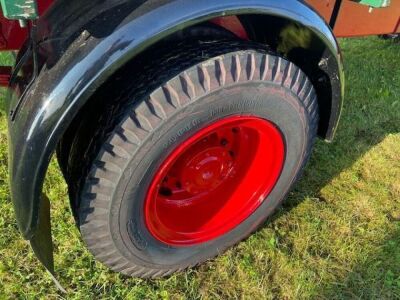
(214, 180)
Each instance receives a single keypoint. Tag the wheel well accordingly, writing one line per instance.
(302, 47)
(283, 36)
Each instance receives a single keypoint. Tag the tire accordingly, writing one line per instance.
(180, 95)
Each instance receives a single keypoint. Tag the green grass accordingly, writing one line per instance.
(336, 237)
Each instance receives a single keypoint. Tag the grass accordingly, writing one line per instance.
(337, 236)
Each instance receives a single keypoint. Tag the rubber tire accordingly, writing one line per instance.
(203, 32)
(201, 84)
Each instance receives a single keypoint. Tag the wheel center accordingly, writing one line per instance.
(214, 180)
(207, 170)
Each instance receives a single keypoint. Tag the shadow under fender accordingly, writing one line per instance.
(79, 58)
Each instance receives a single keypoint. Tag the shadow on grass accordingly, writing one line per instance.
(377, 277)
(365, 122)
(371, 113)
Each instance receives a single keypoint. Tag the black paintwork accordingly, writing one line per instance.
(82, 43)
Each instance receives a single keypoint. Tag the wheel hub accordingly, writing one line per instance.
(214, 180)
(207, 170)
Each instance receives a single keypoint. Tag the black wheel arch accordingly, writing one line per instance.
(78, 56)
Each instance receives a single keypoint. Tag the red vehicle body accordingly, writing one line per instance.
(352, 20)
(179, 125)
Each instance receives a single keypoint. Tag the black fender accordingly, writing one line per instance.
(77, 56)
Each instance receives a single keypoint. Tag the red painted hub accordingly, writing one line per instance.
(214, 180)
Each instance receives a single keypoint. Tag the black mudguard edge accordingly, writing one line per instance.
(79, 63)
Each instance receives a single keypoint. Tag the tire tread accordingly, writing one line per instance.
(119, 136)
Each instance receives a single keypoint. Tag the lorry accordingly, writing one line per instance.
(179, 125)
